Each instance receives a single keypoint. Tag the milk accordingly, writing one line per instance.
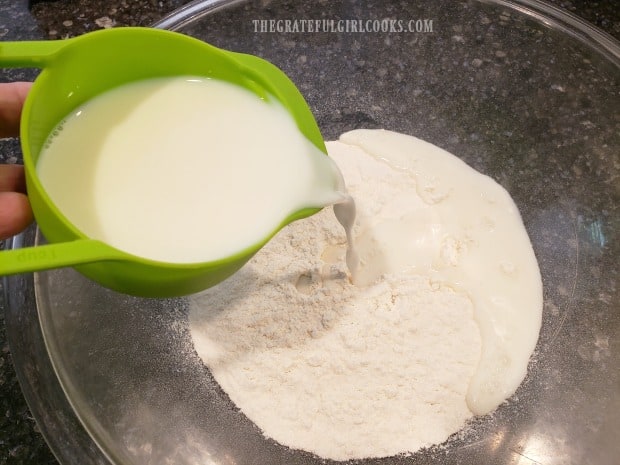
(183, 170)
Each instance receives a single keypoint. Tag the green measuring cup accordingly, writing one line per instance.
(78, 69)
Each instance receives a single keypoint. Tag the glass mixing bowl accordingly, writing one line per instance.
(519, 90)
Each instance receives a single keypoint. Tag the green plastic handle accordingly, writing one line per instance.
(29, 54)
(37, 54)
(60, 255)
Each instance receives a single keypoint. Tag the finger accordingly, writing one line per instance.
(15, 214)
(12, 178)
(12, 97)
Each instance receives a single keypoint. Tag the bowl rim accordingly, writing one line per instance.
(545, 13)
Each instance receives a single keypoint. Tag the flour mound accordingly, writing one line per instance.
(325, 366)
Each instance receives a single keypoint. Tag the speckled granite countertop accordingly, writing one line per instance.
(20, 442)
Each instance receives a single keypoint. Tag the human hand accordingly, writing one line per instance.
(15, 211)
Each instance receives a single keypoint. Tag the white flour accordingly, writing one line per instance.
(440, 323)
(324, 366)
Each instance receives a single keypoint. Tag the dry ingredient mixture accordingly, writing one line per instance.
(386, 365)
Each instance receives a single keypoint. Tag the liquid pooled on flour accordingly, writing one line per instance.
(184, 170)
(465, 231)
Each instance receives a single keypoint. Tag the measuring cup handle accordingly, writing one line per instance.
(29, 54)
(59, 255)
